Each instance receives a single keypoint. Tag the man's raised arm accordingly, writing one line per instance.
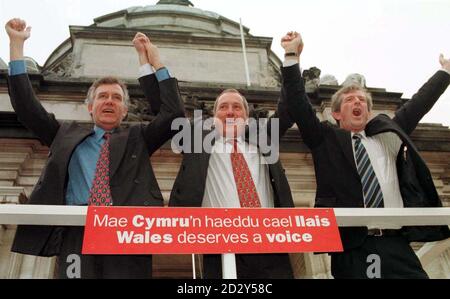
(409, 115)
(294, 94)
(171, 104)
(25, 103)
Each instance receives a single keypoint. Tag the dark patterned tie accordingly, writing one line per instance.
(100, 193)
(373, 197)
(248, 196)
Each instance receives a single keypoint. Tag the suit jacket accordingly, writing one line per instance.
(189, 188)
(332, 153)
(132, 179)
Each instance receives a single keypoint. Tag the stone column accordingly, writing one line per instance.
(27, 267)
(9, 262)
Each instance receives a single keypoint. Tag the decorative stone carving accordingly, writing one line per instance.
(312, 78)
(257, 112)
(355, 78)
(328, 80)
(64, 69)
(192, 102)
(138, 110)
(207, 110)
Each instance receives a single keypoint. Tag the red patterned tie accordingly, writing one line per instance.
(100, 194)
(248, 196)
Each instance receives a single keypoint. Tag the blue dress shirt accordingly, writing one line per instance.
(84, 159)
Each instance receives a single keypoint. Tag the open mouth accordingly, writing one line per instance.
(231, 122)
(357, 112)
(108, 111)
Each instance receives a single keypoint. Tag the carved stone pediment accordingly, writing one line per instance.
(64, 68)
(139, 110)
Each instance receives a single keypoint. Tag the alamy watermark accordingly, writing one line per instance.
(204, 135)
(374, 268)
(74, 268)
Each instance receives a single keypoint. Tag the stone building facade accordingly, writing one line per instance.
(203, 50)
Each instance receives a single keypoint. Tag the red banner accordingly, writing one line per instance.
(125, 230)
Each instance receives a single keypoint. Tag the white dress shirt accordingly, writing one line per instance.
(383, 150)
(220, 189)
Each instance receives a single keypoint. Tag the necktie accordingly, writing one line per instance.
(248, 196)
(373, 197)
(100, 193)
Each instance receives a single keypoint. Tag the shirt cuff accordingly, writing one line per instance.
(162, 74)
(17, 67)
(447, 71)
(289, 62)
(145, 70)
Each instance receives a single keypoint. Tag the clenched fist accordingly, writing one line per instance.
(292, 43)
(445, 63)
(17, 30)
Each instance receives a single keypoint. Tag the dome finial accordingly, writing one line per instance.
(176, 2)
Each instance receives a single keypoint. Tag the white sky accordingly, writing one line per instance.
(395, 44)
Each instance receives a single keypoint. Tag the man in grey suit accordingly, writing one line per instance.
(107, 164)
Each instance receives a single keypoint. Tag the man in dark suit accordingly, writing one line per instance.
(214, 177)
(102, 165)
(368, 163)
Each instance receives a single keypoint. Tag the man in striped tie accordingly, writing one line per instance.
(368, 162)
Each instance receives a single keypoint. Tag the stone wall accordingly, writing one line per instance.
(22, 160)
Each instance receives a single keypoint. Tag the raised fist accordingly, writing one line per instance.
(292, 43)
(17, 30)
(445, 63)
(139, 41)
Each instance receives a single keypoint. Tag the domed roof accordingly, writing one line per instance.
(171, 15)
(196, 44)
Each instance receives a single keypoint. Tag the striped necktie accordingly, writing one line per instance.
(373, 197)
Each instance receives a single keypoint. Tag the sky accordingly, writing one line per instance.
(395, 44)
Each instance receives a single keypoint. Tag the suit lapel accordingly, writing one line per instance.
(118, 145)
(69, 137)
(380, 124)
(345, 141)
(205, 155)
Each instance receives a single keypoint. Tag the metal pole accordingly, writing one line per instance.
(244, 51)
(229, 266)
(194, 274)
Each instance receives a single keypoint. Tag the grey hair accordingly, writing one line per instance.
(337, 98)
(232, 90)
(107, 81)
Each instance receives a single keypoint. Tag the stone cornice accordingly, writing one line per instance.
(173, 38)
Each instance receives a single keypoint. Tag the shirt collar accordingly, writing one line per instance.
(99, 132)
(222, 139)
(362, 134)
